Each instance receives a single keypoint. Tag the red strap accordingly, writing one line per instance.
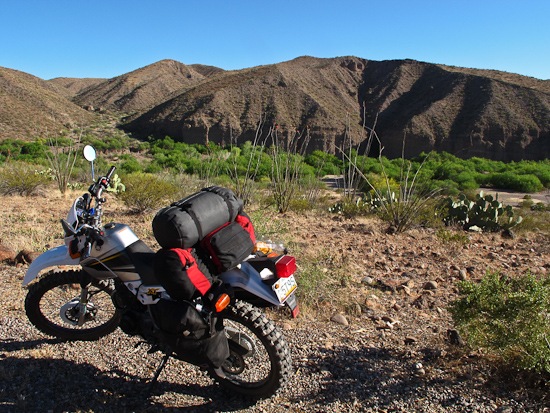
(196, 276)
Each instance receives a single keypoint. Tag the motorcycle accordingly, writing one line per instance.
(103, 278)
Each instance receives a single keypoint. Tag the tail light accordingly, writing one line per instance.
(285, 266)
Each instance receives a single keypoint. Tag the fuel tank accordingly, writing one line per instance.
(112, 258)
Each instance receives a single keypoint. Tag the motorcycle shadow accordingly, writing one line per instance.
(52, 384)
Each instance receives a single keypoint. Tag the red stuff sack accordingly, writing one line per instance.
(179, 272)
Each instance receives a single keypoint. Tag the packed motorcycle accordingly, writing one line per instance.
(198, 299)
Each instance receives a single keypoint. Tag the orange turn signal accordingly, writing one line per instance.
(222, 302)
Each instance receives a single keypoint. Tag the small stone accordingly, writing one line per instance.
(431, 285)
(339, 319)
(368, 280)
(463, 274)
(454, 337)
(419, 369)
(410, 340)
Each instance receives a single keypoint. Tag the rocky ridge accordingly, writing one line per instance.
(468, 112)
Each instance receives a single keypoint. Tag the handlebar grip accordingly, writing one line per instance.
(111, 172)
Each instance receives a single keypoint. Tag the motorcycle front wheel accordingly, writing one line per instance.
(259, 363)
(54, 305)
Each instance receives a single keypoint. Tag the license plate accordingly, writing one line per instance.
(284, 287)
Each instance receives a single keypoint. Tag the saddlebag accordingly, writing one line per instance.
(188, 221)
(181, 273)
(194, 337)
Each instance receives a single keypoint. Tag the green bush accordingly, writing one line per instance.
(21, 178)
(516, 182)
(509, 317)
(145, 192)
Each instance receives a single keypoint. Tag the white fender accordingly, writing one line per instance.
(51, 258)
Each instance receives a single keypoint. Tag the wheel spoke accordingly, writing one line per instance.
(52, 305)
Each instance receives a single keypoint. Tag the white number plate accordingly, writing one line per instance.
(284, 287)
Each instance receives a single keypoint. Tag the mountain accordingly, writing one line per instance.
(468, 112)
(70, 86)
(143, 88)
(31, 107)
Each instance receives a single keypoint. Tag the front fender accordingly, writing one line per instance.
(249, 280)
(51, 258)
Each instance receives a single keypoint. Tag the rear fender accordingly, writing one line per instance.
(248, 279)
(52, 258)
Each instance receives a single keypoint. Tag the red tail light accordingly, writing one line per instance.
(285, 266)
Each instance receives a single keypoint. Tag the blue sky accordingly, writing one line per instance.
(106, 38)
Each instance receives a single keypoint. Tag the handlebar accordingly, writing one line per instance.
(111, 172)
(102, 183)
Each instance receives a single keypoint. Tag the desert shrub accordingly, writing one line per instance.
(129, 164)
(516, 182)
(452, 237)
(509, 317)
(21, 179)
(145, 192)
(324, 162)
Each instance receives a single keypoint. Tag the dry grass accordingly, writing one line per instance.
(32, 223)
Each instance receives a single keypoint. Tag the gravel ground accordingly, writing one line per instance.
(338, 368)
(379, 343)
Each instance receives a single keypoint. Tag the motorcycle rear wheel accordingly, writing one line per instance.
(52, 306)
(266, 365)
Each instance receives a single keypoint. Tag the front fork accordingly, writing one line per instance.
(84, 298)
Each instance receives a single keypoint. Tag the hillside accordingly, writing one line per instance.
(70, 86)
(30, 106)
(499, 116)
(468, 112)
(143, 88)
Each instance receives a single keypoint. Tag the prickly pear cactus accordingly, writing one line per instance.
(485, 213)
(116, 185)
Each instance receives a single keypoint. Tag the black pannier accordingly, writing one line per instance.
(193, 336)
(188, 221)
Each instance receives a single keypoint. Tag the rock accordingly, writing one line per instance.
(6, 255)
(25, 257)
(339, 319)
(405, 289)
(454, 337)
(410, 340)
(419, 369)
(389, 319)
(368, 280)
(430, 285)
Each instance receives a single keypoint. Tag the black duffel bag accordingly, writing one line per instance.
(186, 222)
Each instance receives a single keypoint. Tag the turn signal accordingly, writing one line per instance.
(222, 302)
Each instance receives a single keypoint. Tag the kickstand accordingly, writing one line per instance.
(159, 370)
